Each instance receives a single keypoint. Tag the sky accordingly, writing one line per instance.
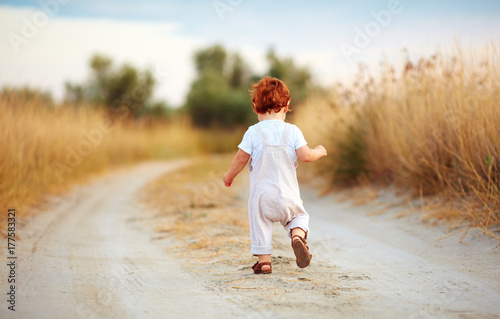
(45, 43)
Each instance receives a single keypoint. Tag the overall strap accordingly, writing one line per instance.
(286, 132)
(263, 137)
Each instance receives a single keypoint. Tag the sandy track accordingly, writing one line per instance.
(91, 256)
(410, 272)
(86, 258)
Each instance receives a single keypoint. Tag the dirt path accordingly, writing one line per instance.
(95, 255)
(407, 270)
(86, 258)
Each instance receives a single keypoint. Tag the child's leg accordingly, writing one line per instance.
(263, 259)
(297, 231)
(299, 225)
(261, 235)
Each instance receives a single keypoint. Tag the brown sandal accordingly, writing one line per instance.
(302, 255)
(257, 268)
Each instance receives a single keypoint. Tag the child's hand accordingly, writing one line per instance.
(227, 180)
(321, 151)
(307, 154)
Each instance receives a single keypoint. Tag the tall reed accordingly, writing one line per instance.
(432, 127)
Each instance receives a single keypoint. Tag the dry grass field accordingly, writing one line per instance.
(432, 128)
(46, 149)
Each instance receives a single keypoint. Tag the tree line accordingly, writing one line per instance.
(218, 96)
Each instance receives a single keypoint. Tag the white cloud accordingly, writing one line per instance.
(61, 50)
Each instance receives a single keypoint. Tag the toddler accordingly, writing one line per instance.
(271, 147)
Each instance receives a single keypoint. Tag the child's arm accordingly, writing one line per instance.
(310, 155)
(237, 165)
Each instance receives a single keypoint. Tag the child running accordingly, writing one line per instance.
(272, 147)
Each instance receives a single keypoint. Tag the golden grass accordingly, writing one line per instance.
(45, 150)
(433, 128)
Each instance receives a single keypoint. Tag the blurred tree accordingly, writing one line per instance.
(212, 59)
(219, 94)
(75, 94)
(239, 73)
(297, 79)
(158, 110)
(100, 66)
(123, 90)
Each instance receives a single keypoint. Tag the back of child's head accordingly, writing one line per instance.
(269, 94)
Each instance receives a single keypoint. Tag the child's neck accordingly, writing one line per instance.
(281, 115)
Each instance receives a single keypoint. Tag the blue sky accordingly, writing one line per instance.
(163, 35)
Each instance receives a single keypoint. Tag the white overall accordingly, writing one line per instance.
(274, 194)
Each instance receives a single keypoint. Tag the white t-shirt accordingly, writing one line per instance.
(273, 129)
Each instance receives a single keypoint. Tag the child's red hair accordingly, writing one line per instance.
(269, 94)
